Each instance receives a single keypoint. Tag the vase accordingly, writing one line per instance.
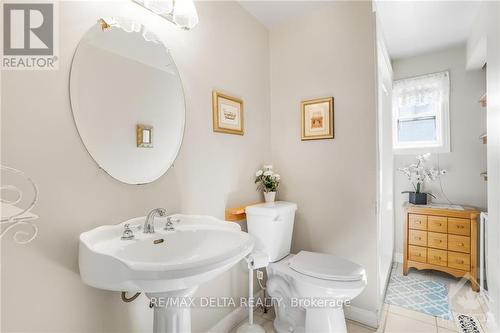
(417, 198)
(269, 196)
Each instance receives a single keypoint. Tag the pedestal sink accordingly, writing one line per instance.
(163, 264)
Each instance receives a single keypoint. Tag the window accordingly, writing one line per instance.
(421, 114)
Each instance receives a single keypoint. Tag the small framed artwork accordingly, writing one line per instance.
(227, 114)
(144, 135)
(317, 119)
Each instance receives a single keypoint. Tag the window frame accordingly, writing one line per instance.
(442, 143)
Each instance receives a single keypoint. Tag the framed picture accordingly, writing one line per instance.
(144, 136)
(227, 114)
(317, 119)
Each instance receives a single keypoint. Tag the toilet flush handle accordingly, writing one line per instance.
(277, 218)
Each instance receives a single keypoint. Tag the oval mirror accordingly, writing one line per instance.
(127, 100)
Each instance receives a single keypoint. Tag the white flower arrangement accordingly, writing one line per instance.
(418, 174)
(267, 180)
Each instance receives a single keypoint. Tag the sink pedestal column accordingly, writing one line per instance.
(172, 313)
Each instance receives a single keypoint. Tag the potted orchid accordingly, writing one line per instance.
(268, 182)
(418, 175)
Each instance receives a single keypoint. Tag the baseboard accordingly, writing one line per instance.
(233, 318)
(398, 257)
(365, 317)
(230, 321)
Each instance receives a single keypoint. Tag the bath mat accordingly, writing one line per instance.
(426, 296)
(467, 324)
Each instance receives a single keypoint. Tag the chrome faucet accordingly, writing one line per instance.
(149, 226)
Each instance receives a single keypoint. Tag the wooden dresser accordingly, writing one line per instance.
(441, 239)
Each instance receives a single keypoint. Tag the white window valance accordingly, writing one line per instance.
(421, 113)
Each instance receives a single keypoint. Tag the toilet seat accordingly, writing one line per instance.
(326, 267)
(309, 286)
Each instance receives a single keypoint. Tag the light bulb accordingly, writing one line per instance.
(159, 7)
(185, 14)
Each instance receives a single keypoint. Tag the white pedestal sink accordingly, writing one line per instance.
(163, 264)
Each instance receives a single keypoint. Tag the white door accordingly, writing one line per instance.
(385, 207)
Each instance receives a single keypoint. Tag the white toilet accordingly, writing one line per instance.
(307, 288)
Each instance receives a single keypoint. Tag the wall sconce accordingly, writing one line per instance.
(144, 136)
(180, 12)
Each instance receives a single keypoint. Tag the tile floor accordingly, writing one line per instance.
(396, 319)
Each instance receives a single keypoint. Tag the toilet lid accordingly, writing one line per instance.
(326, 267)
(271, 209)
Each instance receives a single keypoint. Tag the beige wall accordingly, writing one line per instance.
(329, 52)
(41, 287)
(462, 184)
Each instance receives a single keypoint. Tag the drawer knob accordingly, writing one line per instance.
(461, 244)
(419, 238)
(439, 224)
(460, 227)
(440, 241)
(436, 257)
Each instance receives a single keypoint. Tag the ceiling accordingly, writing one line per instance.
(272, 13)
(416, 27)
(409, 27)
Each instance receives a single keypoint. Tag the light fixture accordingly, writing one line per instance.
(180, 12)
(160, 7)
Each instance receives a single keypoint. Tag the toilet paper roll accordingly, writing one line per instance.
(258, 260)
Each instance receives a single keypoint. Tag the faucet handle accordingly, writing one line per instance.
(128, 234)
(173, 219)
(169, 226)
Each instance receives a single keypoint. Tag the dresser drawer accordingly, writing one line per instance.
(437, 223)
(459, 260)
(437, 240)
(418, 222)
(418, 237)
(437, 257)
(458, 226)
(417, 253)
(459, 243)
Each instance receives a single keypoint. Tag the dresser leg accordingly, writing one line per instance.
(405, 269)
(474, 285)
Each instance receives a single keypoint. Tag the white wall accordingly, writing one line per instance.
(476, 43)
(493, 33)
(41, 287)
(467, 159)
(330, 52)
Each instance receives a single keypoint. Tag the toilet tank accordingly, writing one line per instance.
(271, 225)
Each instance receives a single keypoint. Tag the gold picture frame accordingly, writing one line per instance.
(317, 119)
(227, 114)
(144, 136)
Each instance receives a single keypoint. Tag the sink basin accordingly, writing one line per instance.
(200, 248)
(166, 264)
